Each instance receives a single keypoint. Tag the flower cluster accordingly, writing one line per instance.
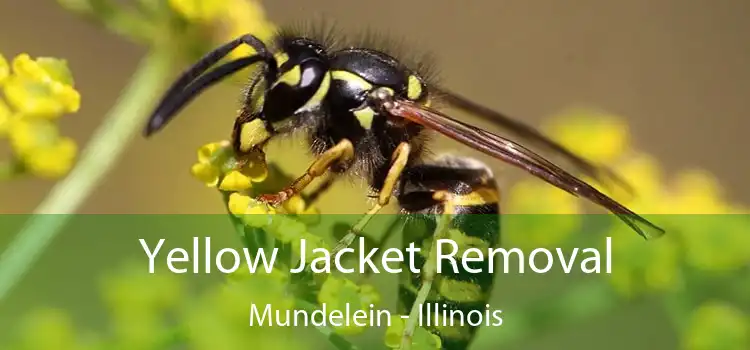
(705, 236)
(217, 167)
(37, 92)
(159, 311)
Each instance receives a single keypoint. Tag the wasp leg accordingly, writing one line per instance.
(342, 152)
(398, 163)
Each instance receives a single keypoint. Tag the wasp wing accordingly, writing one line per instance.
(519, 156)
(531, 134)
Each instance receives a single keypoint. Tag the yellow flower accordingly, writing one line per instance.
(199, 10)
(252, 212)
(336, 293)
(41, 148)
(597, 136)
(244, 17)
(4, 69)
(216, 161)
(54, 161)
(6, 115)
(696, 192)
(235, 181)
(41, 88)
(717, 326)
(421, 340)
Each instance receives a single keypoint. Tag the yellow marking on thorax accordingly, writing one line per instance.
(281, 58)
(253, 134)
(413, 88)
(365, 117)
(321, 93)
(352, 78)
(484, 195)
(258, 97)
(291, 77)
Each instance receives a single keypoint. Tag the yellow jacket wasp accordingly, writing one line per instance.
(366, 113)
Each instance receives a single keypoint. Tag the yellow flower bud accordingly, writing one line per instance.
(238, 203)
(206, 173)
(27, 135)
(235, 181)
(54, 161)
(294, 205)
(207, 152)
(42, 87)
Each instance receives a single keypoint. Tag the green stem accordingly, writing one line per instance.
(113, 135)
(336, 340)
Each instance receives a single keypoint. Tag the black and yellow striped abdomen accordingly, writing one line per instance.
(473, 199)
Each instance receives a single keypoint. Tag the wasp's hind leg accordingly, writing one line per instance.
(453, 198)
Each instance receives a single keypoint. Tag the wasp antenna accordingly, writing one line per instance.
(186, 87)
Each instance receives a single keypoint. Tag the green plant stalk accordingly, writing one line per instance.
(97, 159)
(334, 338)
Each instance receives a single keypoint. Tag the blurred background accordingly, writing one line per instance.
(675, 71)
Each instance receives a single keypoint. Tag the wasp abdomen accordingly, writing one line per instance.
(472, 196)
